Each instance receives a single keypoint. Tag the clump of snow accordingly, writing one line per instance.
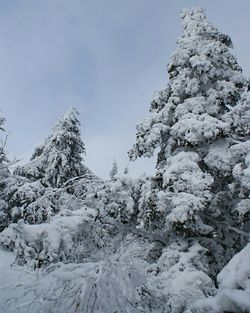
(243, 209)
(219, 159)
(60, 240)
(234, 287)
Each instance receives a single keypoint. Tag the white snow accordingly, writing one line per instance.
(13, 279)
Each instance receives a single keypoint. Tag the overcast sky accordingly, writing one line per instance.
(105, 57)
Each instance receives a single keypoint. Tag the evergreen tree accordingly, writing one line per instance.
(147, 244)
(4, 174)
(126, 170)
(57, 161)
(120, 198)
(114, 171)
(3, 158)
(60, 157)
(196, 121)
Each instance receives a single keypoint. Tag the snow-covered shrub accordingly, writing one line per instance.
(30, 201)
(151, 215)
(79, 192)
(180, 276)
(119, 199)
(132, 201)
(101, 287)
(35, 203)
(116, 283)
(125, 281)
(68, 238)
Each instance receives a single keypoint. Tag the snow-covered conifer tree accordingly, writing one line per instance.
(149, 244)
(119, 198)
(3, 158)
(60, 157)
(126, 170)
(57, 161)
(4, 174)
(114, 171)
(195, 121)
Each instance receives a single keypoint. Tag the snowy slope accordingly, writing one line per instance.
(12, 276)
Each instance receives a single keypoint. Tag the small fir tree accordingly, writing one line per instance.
(114, 171)
(126, 170)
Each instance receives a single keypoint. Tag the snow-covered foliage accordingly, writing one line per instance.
(179, 276)
(4, 178)
(63, 239)
(187, 191)
(101, 287)
(124, 281)
(119, 199)
(60, 157)
(44, 185)
(234, 287)
(117, 283)
(29, 200)
(205, 83)
(132, 201)
(198, 121)
(241, 183)
(150, 213)
(145, 244)
(114, 171)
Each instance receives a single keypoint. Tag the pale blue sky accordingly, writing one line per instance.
(106, 57)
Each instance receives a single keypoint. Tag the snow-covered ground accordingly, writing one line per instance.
(12, 283)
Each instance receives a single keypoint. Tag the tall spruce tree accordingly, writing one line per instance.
(196, 121)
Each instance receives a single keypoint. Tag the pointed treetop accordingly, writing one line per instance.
(66, 120)
(194, 23)
(126, 170)
(114, 170)
(60, 157)
(72, 112)
(3, 157)
(205, 82)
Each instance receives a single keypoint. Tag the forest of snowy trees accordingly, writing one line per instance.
(172, 243)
